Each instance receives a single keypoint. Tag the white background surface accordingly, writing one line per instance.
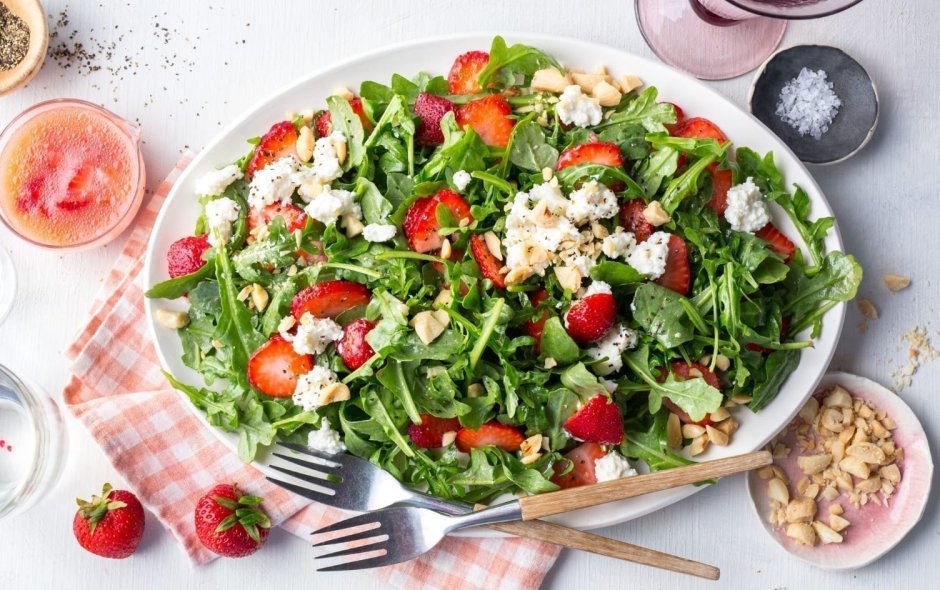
(218, 59)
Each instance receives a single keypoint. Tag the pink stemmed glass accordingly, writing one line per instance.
(719, 39)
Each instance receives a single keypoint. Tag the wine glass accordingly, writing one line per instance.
(719, 39)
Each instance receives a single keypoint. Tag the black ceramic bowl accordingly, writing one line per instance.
(855, 122)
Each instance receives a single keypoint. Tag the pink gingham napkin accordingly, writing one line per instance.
(169, 457)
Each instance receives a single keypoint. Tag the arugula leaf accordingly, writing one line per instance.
(616, 274)
(809, 298)
(660, 165)
(650, 446)
(644, 110)
(254, 430)
(777, 367)
(530, 149)
(345, 121)
(375, 207)
(515, 64)
(694, 396)
(176, 288)
(557, 344)
(583, 382)
(660, 313)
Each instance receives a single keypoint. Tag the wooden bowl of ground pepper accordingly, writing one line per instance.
(24, 37)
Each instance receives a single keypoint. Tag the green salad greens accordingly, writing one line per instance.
(464, 279)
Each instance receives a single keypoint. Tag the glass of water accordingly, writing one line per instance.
(32, 443)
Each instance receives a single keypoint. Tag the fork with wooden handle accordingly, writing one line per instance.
(351, 483)
(408, 532)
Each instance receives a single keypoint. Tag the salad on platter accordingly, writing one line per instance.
(518, 278)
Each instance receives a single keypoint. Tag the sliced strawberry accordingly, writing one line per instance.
(784, 328)
(633, 220)
(682, 370)
(779, 243)
(589, 319)
(79, 193)
(597, 152)
(431, 109)
(186, 255)
(353, 348)
(700, 128)
(463, 75)
(489, 265)
(597, 421)
(278, 142)
(582, 459)
(680, 116)
(421, 226)
(274, 368)
(534, 325)
(677, 275)
(489, 117)
(323, 123)
(429, 434)
(293, 216)
(329, 299)
(491, 434)
(721, 182)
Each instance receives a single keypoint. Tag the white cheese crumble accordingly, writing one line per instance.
(592, 202)
(220, 213)
(597, 287)
(379, 232)
(273, 183)
(808, 103)
(331, 204)
(215, 182)
(650, 256)
(612, 466)
(574, 108)
(310, 386)
(611, 348)
(747, 211)
(325, 439)
(315, 334)
(461, 179)
(325, 160)
(619, 244)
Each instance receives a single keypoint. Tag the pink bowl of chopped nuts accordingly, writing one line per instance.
(851, 475)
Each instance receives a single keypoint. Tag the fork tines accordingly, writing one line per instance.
(379, 544)
(320, 471)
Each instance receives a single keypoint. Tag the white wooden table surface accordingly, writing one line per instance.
(220, 57)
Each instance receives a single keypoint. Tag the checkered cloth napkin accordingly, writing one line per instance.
(170, 458)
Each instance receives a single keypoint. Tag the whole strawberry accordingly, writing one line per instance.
(110, 525)
(230, 523)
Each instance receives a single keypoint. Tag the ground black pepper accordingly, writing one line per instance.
(14, 39)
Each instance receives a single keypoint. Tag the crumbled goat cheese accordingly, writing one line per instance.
(461, 179)
(215, 182)
(619, 244)
(315, 334)
(597, 287)
(220, 213)
(331, 204)
(574, 108)
(310, 386)
(611, 348)
(378, 232)
(612, 466)
(273, 183)
(808, 103)
(325, 439)
(747, 211)
(650, 256)
(592, 202)
(325, 160)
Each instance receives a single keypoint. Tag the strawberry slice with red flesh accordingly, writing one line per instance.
(491, 434)
(581, 459)
(278, 142)
(779, 243)
(275, 367)
(431, 109)
(329, 299)
(682, 370)
(677, 275)
(421, 226)
(294, 217)
(701, 128)
(465, 73)
(680, 117)
(534, 325)
(430, 433)
(323, 123)
(79, 192)
(353, 347)
(186, 255)
(597, 152)
(590, 318)
(597, 421)
(633, 220)
(489, 117)
(721, 182)
(489, 265)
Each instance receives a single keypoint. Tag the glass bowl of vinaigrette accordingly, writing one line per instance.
(71, 175)
(32, 443)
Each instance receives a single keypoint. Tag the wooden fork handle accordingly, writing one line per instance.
(583, 541)
(609, 491)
